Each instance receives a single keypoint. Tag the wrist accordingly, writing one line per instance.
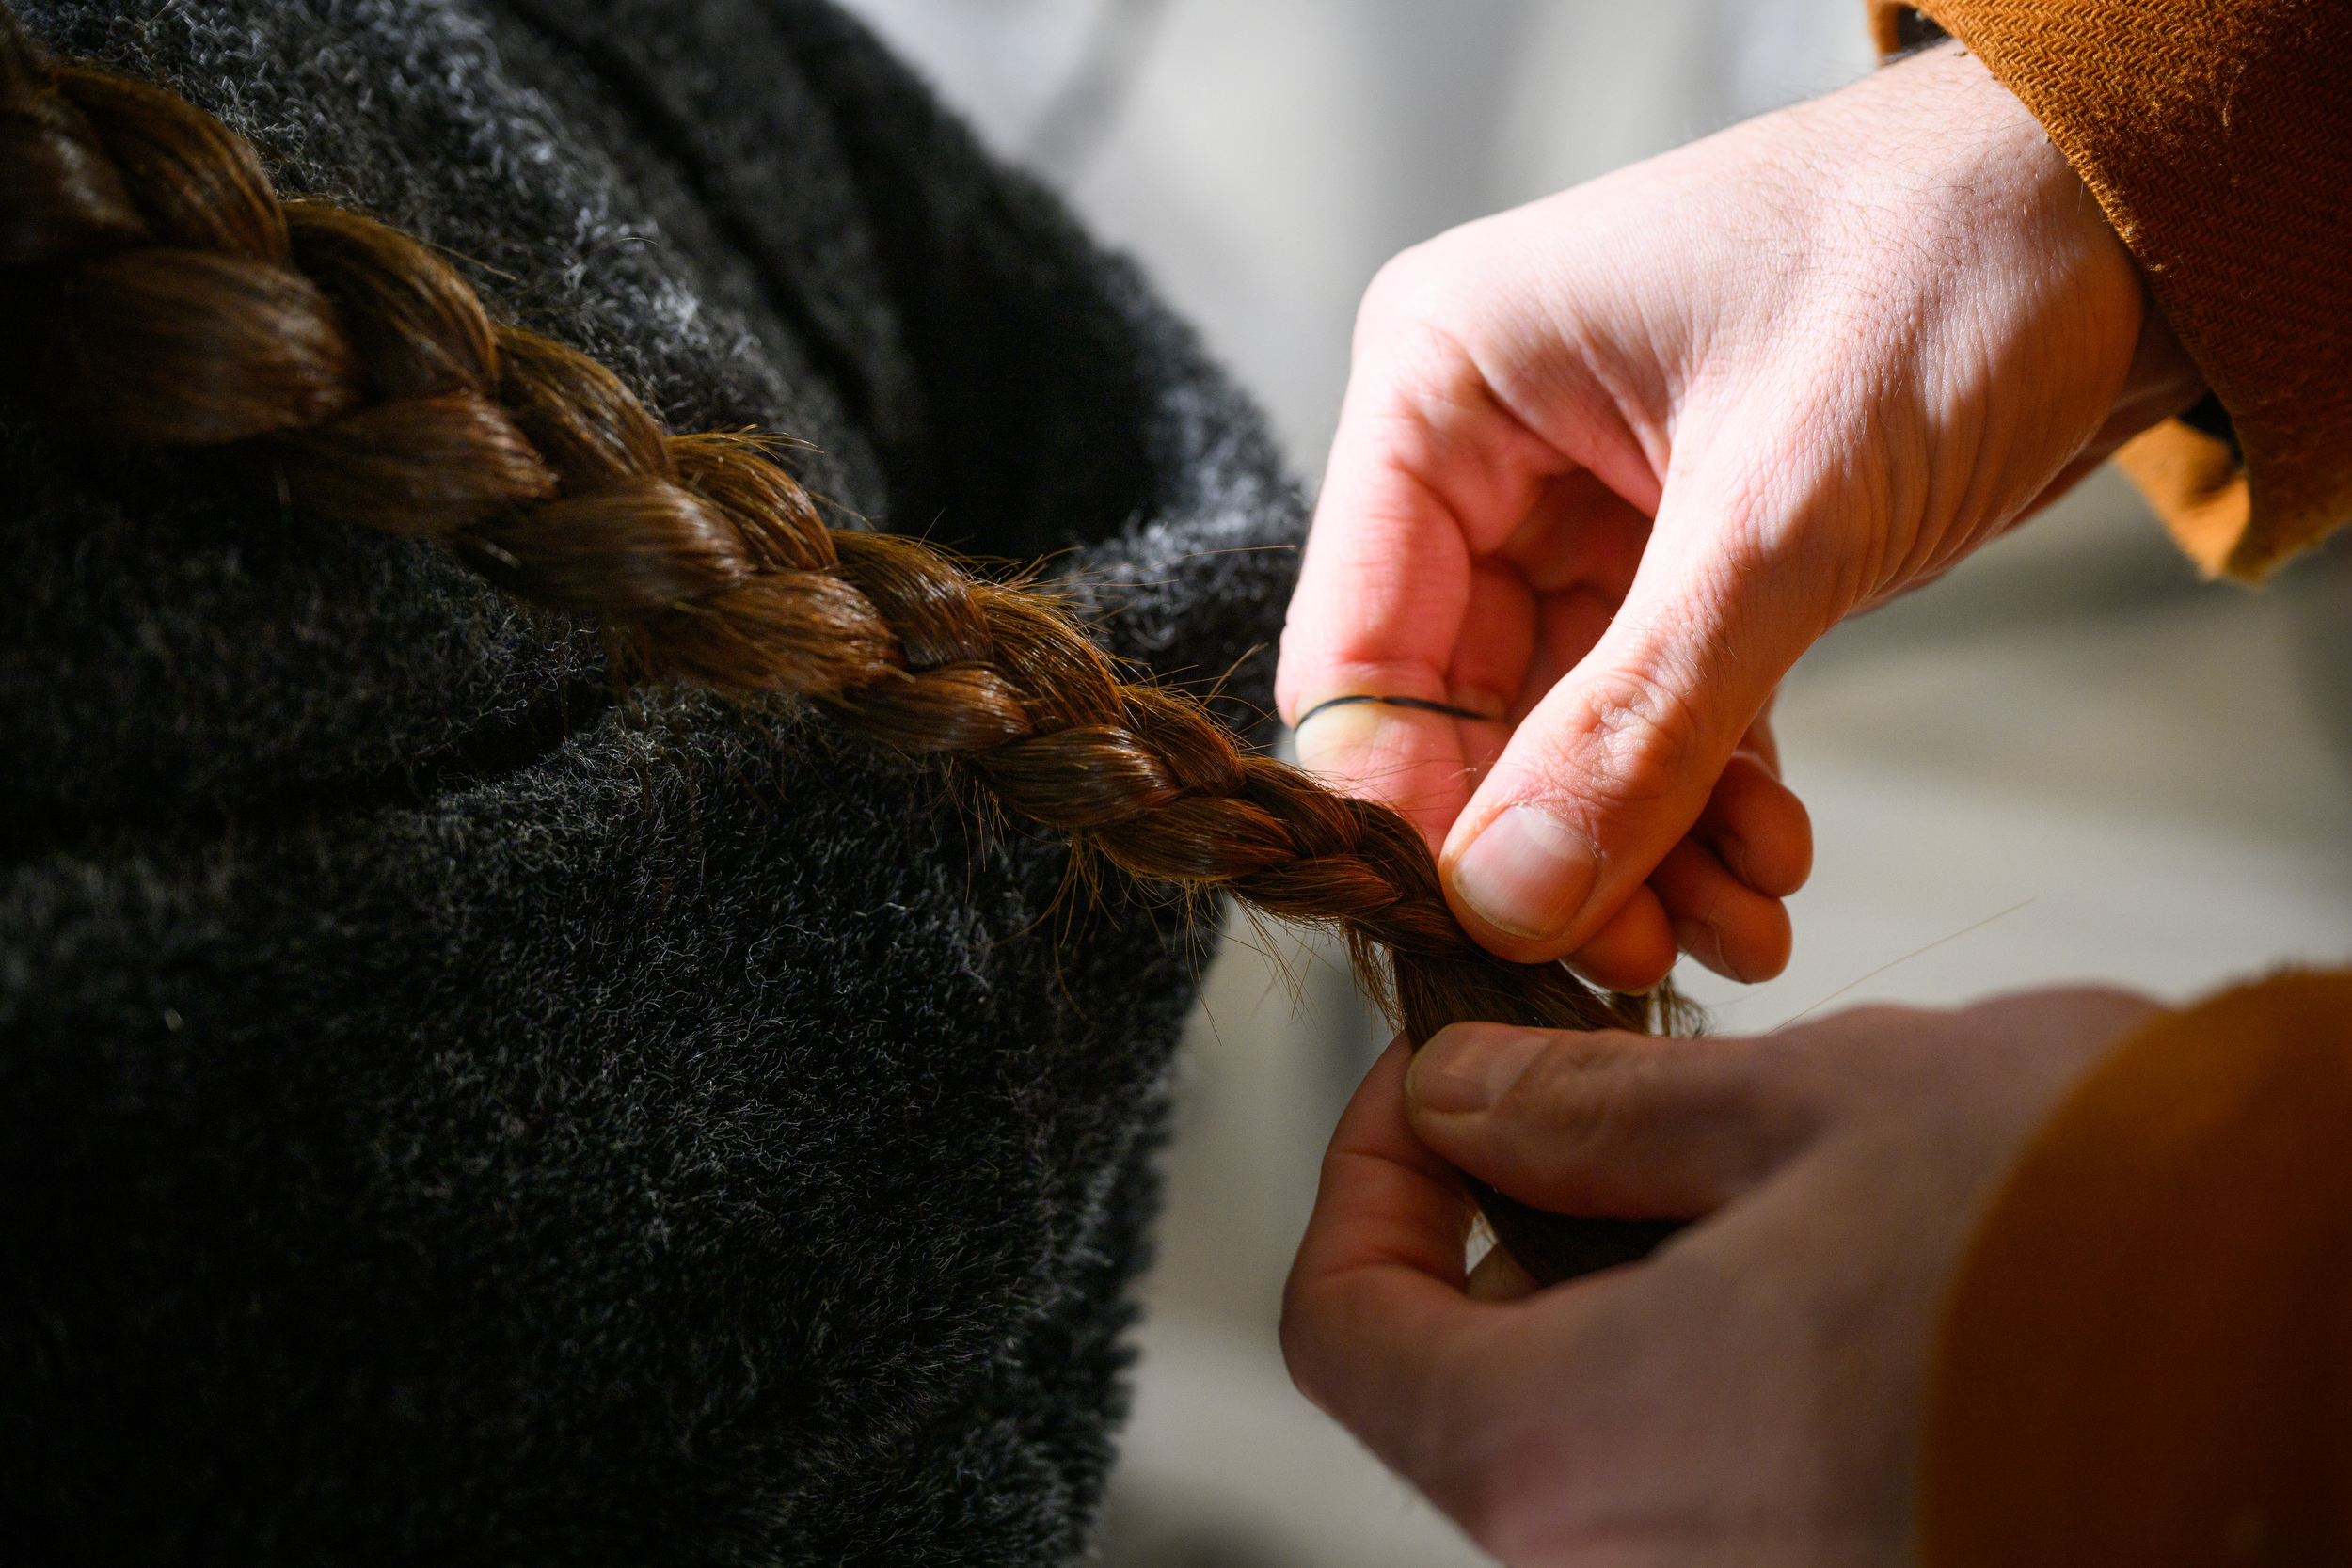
(2005, 191)
(1939, 128)
(1946, 185)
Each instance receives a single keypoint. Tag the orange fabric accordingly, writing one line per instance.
(2197, 487)
(2147, 1357)
(2216, 134)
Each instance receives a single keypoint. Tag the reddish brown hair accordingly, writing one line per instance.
(177, 301)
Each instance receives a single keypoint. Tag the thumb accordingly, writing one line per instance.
(1606, 1123)
(1616, 764)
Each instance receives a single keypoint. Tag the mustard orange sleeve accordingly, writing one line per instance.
(2218, 137)
(2147, 1355)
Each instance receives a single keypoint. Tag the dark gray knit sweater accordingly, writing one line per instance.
(448, 1116)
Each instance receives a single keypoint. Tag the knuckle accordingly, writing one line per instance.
(1642, 743)
(1405, 289)
(1418, 303)
(1573, 1100)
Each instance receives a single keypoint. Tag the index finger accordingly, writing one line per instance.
(1428, 472)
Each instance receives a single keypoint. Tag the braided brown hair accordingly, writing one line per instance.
(174, 299)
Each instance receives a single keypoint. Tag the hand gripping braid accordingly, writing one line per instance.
(179, 302)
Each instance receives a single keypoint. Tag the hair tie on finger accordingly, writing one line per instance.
(1418, 704)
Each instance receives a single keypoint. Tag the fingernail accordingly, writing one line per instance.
(1528, 873)
(1469, 1066)
(1343, 743)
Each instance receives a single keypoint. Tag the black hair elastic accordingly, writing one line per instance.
(1419, 704)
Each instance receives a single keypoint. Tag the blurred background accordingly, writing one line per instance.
(2068, 760)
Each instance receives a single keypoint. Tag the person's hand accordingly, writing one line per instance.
(1829, 352)
(1749, 1394)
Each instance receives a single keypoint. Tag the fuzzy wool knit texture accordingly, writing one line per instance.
(449, 1114)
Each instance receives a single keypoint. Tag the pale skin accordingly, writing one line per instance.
(1610, 462)
(1608, 465)
(1752, 1394)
